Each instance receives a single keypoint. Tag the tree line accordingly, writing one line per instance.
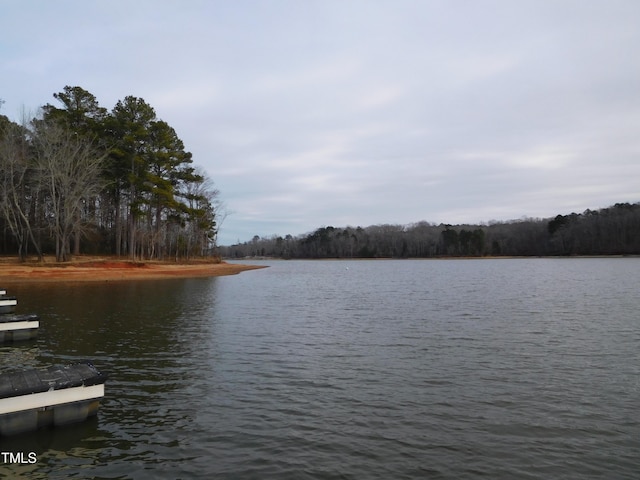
(608, 231)
(78, 178)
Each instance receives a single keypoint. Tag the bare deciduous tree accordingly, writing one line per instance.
(18, 190)
(69, 167)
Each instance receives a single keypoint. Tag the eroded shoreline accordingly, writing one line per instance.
(12, 272)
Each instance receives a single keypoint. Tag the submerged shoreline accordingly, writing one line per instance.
(101, 270)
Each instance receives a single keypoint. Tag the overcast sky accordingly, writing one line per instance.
(310, 113)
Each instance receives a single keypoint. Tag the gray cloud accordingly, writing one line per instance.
(361, 112)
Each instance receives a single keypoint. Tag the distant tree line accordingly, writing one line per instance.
(609, 231)
(81, 179)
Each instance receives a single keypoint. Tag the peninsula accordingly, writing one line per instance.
(104, 269)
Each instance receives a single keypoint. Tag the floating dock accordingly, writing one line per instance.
(8, 304)
(32, 399)
(14, 327)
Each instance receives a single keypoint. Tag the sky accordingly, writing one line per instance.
(311, 113)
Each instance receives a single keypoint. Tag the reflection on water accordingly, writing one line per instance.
(142, 335)
(19, 355)
(398, 369)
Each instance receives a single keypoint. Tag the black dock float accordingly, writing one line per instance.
(31, 399)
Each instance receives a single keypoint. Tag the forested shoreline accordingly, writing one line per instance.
(614, 230)
(78, 178)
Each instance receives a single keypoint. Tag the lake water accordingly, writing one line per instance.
(456, 369)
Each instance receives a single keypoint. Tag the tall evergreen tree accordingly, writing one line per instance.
(80, 112)
(130, 130)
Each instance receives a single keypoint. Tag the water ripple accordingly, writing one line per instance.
(403, 369)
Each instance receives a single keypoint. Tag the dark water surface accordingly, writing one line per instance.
(496, 369)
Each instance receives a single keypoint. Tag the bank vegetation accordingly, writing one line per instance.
(614, 230)
(78, 178)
